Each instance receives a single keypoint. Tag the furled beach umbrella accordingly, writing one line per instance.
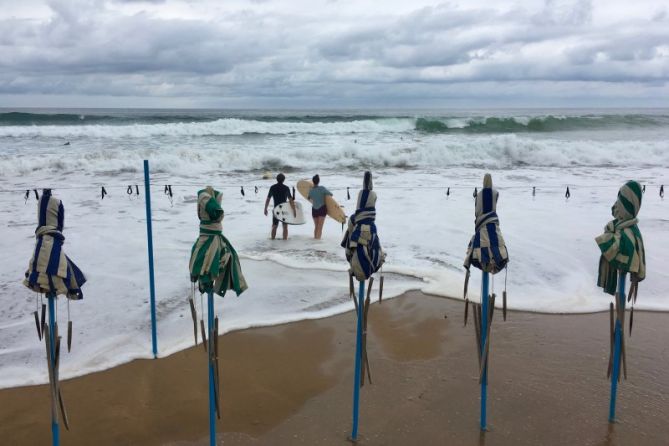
(622, 250)
(52, 273)
(365, 257)
(487, 252)
(214, 266)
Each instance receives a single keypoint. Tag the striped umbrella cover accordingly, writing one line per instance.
(621, 243)
(214, 263)
(361, 242)
(50, 271)
(486, 250)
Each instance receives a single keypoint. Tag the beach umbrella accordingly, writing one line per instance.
(51, 273)
(365, 257)
(487, 252)
(622, 253)
(214, 266)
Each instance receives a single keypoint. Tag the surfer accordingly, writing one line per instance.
(317, 196)
(280, 193)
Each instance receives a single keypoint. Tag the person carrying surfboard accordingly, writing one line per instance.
(317, 196)
(280, 193)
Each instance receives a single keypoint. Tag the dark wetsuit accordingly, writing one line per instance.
(280, 194)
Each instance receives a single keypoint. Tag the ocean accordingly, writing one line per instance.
(426, 164)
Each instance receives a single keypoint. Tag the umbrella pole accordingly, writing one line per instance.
(620, 295)
(149, 236)
(358, 355)
(484, 331)
(210, 351)
(55, 431)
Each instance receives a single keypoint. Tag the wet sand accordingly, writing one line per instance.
(292, 385)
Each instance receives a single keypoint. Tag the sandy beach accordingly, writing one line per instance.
(291, 384)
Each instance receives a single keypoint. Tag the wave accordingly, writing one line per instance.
(15, 118)
(549, 123)
(218, 127)
(479, 151)
(136, 124)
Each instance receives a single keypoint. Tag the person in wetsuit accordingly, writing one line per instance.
(317, 196)
(280, 193)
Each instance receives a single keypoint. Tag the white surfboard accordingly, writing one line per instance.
(284, 213)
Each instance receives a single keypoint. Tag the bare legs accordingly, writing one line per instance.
(318, 227)
(285, 231)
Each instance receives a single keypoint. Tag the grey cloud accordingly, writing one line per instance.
(87, 48)
(565, 13)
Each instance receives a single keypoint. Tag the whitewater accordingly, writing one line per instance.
(426, 166)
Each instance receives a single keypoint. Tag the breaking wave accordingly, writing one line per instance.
(137, 124)
(537, 124)
(486, 151)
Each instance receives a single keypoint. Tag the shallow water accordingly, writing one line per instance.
(425, 232)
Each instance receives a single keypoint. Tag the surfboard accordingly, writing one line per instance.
(284, 213)
(335, 211)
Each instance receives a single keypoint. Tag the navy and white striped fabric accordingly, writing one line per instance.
(361, 242)
(50, 271)
(486, 250)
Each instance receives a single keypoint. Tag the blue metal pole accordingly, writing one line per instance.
(617, 347)
(358, 362)
(210, 349)
(149, 236)
(55, 431)
(484, 332)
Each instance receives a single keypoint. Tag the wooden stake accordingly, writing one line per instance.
(204, 335)
(611, 329)
(381, 289)
(193, 315)
(37, 325)
(69, 338)
(466, 310)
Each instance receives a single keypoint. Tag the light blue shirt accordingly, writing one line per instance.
(317, 196)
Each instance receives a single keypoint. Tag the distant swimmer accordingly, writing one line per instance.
(67, 143)
(280, 193)
(319, 211)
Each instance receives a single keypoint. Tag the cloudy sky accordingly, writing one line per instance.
(334, 53)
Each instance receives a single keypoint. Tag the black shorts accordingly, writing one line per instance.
(275, 222)
(320, 212)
